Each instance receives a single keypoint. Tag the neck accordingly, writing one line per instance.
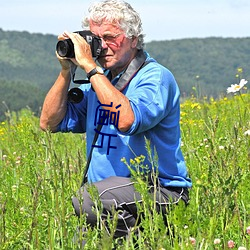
(118, 70)
(136, 64)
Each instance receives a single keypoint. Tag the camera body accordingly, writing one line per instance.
(65, 48)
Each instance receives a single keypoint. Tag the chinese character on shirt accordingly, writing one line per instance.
(106, 118)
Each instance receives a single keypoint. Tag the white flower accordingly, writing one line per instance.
(237, 87)
(242, 248)
(217, 241)
(247, 133)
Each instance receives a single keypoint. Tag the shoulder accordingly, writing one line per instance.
(153, 70)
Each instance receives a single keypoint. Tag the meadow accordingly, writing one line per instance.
(40, 172)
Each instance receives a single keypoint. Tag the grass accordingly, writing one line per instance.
(40, 172)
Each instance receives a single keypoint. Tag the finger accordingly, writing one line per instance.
(70, 34)
(69, 60)
(59, 57)
(63, 36)
(66, 33)
(75, 37)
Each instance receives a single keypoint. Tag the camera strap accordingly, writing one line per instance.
(136, 64)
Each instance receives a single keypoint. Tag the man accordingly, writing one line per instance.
(130, 86)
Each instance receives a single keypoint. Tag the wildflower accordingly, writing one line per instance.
(248, 230)
(14, 188)
(22, 210)
(132, 162)
(221, 147)
(240, 70)
(45, 216)
(138, 160)
(237, 87)
(242, 248)
(230, 244)
(198, 182)
(216, 241)
(195, 106)
(123, 159)
(192, 240)
(247, 133)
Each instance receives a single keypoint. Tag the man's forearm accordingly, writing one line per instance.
(55, 103)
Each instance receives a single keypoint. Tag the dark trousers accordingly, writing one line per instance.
(119, 194)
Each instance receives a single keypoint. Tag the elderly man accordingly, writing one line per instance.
(138, 100)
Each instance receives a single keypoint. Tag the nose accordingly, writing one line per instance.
(104, 44)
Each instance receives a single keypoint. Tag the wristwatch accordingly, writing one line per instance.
(96, 70)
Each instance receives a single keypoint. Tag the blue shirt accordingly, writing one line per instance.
(154, 97)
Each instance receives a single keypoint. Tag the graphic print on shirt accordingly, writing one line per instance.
(103, 117)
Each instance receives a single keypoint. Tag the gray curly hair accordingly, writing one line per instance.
(120, 12)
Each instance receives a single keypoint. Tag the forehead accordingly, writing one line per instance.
(104, 27)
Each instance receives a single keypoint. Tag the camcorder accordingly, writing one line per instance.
(65, 48)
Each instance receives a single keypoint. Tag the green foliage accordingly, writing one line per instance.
(37, 181)
(28, 58)
(40, 172)
(28, 68)
(14, 95)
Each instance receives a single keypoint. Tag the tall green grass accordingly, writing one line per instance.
(40, 172)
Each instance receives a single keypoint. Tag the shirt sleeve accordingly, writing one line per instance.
(75, 118)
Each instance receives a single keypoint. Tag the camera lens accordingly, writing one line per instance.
(75, 95)
(65, 48)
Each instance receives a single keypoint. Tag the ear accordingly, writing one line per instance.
(134, 42)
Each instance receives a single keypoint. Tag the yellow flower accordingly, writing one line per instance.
(195, 105)
(240, 70)
(138, 160)
(132, 162)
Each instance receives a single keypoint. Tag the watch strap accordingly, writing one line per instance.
(93, 72)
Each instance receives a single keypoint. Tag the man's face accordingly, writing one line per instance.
(118, 50)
